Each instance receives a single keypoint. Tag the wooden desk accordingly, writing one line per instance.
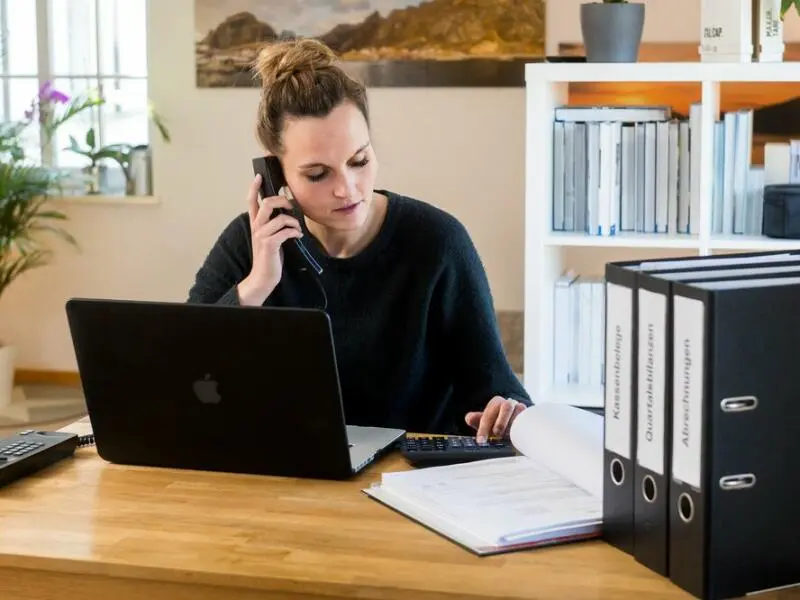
(87, 530)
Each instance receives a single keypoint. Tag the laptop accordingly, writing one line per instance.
(217, 388)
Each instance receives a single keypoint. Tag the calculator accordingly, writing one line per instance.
(428, 451)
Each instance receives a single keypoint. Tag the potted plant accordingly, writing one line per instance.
(26, 214)
(121, 153)
(95, 154)
(612, 30)
(786, 6)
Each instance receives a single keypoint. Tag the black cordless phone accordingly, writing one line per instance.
(272, 180)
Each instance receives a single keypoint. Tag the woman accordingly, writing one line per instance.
(414, 327)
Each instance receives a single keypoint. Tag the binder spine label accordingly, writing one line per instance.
(652, 330)
(619, 355)
(687, 420)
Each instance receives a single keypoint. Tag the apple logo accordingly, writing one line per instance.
(206, 390)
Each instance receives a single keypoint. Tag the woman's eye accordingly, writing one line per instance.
(320, 175)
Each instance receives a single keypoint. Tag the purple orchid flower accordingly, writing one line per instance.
(47, 93)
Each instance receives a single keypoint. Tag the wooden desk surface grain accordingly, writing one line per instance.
(87, 529)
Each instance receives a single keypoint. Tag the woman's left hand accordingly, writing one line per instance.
(495, 419)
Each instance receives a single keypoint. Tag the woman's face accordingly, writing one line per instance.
(330, 167)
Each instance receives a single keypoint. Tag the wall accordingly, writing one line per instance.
(473, 167)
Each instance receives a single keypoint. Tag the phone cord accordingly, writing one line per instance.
(319, 287)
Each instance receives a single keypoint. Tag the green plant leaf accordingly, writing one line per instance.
(786, 6)
(90, 138)
(25, 216)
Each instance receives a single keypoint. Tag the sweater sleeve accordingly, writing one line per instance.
(227, 263)
(472, 336)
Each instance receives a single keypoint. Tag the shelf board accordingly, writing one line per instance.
(751, 242)
(108, 199)
(663, 72)
(574, 395)
(622, 240)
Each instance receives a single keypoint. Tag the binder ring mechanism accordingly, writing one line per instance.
(738, 404)
(737, 482)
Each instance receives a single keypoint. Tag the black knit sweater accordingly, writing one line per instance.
(414, 327)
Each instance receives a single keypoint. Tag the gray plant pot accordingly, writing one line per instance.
(612, 32)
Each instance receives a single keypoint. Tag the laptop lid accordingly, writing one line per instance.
(211, 387)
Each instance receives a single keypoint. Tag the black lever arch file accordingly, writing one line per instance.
(734, 517)
(651, 473)
(621, 382)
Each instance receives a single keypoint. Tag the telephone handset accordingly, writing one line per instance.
(272, 180)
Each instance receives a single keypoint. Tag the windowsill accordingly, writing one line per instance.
(108, 199)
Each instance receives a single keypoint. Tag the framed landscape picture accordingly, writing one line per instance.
(384, 43)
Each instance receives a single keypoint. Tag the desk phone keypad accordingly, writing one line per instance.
(29, 451)
(19, 448)
(423, 451)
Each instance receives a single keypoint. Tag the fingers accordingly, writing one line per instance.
(518, 408)
(496, 419)
(252, 198)
(281, 221)
(504, 417)
(488, 419)
(268, 206)
(285, 234)
(473, 419)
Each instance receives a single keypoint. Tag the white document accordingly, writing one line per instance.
(82, 426)
(552, 490)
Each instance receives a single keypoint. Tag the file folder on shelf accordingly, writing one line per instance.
(621, 306)
(654, 388)
(734, 517)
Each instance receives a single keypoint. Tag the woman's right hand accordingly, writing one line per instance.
(268, 235)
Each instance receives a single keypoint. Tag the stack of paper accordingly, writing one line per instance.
(551, 493)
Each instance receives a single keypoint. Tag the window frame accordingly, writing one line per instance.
(44, 44)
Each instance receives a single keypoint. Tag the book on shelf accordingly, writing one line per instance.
(768, 45)
(628, 175)
(726, 31)
(550, 493)
(578, 328)
(738, 185)
(623, 169)
(782, 162)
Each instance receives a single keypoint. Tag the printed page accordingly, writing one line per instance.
(499, 500)
(82, 426)
(565, 439)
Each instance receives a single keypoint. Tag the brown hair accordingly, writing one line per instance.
(300, 78)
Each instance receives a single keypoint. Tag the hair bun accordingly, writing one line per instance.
(278, 61)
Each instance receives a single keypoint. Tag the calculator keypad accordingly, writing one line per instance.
(445, 443)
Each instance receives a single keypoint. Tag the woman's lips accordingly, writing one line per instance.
(349, 208)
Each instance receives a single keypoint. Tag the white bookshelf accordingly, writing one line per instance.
(547, 252)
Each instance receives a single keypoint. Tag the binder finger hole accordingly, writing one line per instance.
(738, 404)
(649, 490)
(685, 507)
(617, 471)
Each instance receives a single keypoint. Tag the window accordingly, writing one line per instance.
(77, 45)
